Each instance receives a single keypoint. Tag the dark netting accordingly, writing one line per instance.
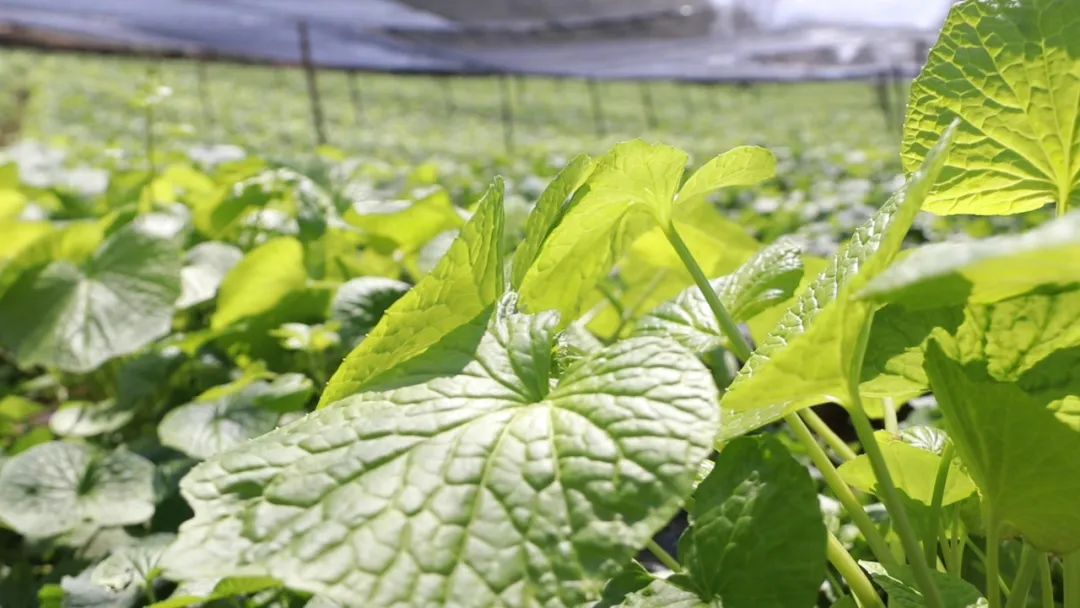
(679, 40)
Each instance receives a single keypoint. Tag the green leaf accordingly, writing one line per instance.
(261, 281)
(806, 358)
(88, 419)
(955, 592)
(766, 279)
(55, 487)
(548, 212)
(1011, 72)
(81, 592)
(741, 166)
(132, 566)
(985, 271)
(497, 485)
(1024, 460)
(893, 365)
(202, 429)
(757, 537)
(633, 188)
(467, 282)
(205, 266)
(77, 317)
(664, 594)
(633, 578)
(406, 225)
(360, 303)
(187, 595)
(913, 470)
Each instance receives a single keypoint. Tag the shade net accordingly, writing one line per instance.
(691, 40)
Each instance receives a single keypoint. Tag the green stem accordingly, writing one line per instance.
(843, 493)
(993, 562)
(665, 558)
(848, 568)
(1025, 574)
(736, 342)
(1071, 579)
(933, 527)
(1046, 582)
(981, 556)
(838, 446)
(892, 425)
(1063, 201)
(886, 488)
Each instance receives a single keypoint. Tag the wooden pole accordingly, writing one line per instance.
(597, 107)
(507, 115)
(312, 82)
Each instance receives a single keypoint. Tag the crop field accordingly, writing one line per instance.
(508, 341)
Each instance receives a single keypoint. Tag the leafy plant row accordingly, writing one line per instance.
(487, 442)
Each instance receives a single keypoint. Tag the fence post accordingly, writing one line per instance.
(354, 97)
(647, 107)
(507, 114)
(597, 107)
(312, 82)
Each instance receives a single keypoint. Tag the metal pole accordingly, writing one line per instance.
(507, 114)
(354, 98)
(647, 107)
(312, 82)
(597, 107)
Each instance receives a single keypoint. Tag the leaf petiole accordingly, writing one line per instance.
(736, 341)
(849, 569)
(889, 495)
(665, 558)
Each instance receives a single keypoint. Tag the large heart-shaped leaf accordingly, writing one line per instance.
(913, 469)
(76, 317)
(1024, 460)
(757, 538)
(805, 360)
(480, 486)
(204, 428)
(1011, 72)
(465, 283)
(57, 487)
(984, 271)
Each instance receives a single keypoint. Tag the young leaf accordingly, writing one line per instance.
(913, 470)
(804, 360)
(741, 166)
(548, 212)
(985, 271)
(87, 419)
(766, 279)
(757, 538)
(491, 485)
(202, 429)
(1024, 460)
(465, 283)
(633, 188)
(1011, 72)
(55, 487)
(75, 318)
(263, 279)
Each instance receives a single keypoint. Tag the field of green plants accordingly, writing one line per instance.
(529, 342)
